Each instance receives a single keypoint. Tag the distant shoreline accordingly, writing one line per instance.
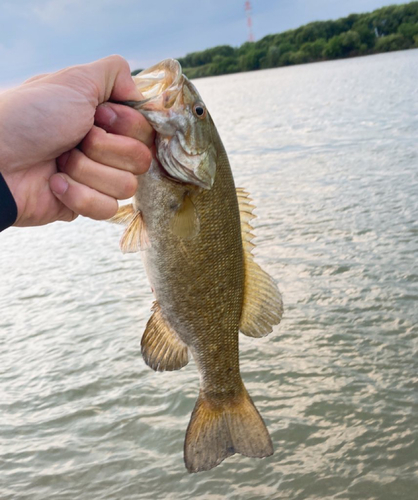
(387, 29)
(308, 63)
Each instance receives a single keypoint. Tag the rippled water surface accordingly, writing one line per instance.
(329, 152)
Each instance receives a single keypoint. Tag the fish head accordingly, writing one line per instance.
(184, 127)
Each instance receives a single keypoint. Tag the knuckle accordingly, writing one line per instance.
(129, 186)
(70, 216)
(141, 159)
(80, 199)
(93, 141)
(107, 210)
(96, 206)
(74, 166)
(112, 211)
(118, 61)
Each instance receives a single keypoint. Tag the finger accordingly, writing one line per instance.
(113, 182)
(122, 120)
(116, 151)
(113, 78)
(108, 78)
(81, 199)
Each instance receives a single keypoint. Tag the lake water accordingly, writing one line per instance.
(329, 152)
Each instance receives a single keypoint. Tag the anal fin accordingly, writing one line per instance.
(263, 305)
(161, 347)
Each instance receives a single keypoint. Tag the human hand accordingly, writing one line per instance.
(63, 152)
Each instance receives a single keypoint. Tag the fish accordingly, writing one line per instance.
(193, 228)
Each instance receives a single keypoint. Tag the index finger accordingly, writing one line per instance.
(123, 120)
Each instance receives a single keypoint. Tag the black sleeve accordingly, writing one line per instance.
(8, 208)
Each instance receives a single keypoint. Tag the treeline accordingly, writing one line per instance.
(383, 30)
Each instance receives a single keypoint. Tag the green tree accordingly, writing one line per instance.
(314, 50)
(298, 57)
(392, 42)
(343, 45)
(223, 65)
(251, 59)
(334, 48)
(273, 57)
(408, 30)
(386, 29)
(366, 33)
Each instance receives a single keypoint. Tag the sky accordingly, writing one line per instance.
(40, 36)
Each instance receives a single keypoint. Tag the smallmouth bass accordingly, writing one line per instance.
(193, 227)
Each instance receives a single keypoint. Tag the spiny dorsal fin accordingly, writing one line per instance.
(185, 222)
(135, 237)
(161, 348)
(124, 215)
(263, 306)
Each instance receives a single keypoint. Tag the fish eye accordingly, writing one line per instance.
(199, 110)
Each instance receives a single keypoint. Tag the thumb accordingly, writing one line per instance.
(113, 80)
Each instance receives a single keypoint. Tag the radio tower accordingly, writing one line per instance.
(249, 21)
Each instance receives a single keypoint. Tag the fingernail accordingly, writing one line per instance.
(105, 116)
(58, 185)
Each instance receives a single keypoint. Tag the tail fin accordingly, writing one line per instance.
(217, 432)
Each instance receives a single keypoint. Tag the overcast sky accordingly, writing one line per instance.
(38, 36)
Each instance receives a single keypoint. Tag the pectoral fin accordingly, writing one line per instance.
(185, 222)
(135, 237)
(161, 347)
(263, 306)
(124, 215)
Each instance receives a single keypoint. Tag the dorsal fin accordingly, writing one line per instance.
(160, 345)
(262, 306)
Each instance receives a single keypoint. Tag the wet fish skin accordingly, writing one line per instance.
(197, 255)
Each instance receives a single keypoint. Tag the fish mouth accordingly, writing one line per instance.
(160, 85)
